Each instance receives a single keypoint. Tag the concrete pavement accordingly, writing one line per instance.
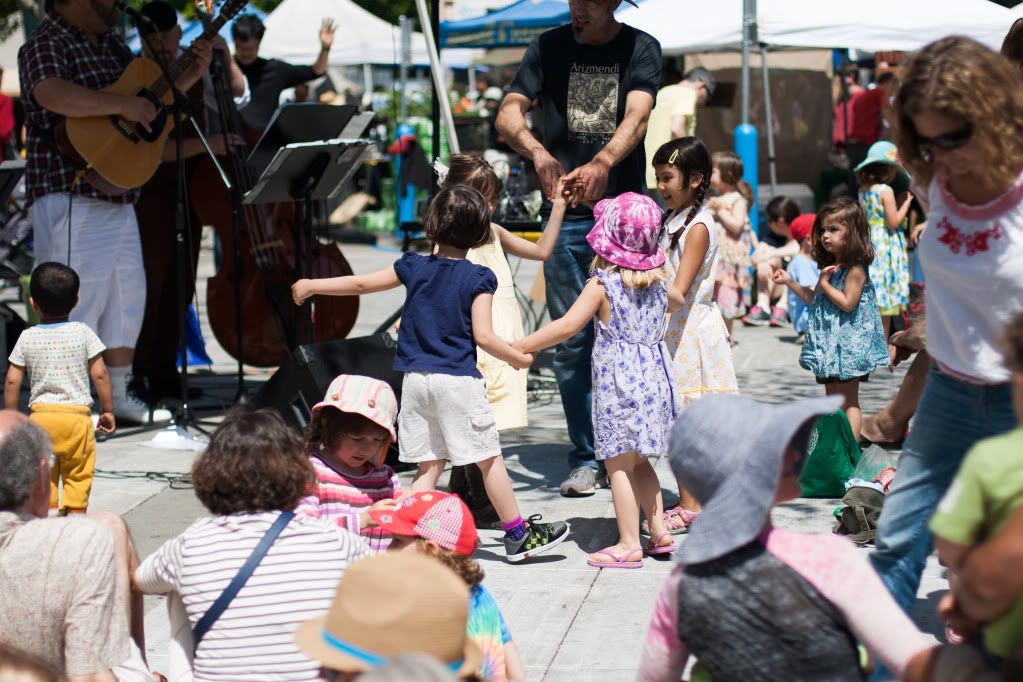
(570, 621)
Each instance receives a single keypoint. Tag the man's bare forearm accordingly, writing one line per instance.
(512, 126)
(629, 134)
(70, 99)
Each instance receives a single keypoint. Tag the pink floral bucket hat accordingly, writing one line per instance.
(626, 232)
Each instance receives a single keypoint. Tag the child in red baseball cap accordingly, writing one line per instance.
(802, 269)
(439, 525)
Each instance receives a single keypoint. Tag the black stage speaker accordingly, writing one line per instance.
(302, 380)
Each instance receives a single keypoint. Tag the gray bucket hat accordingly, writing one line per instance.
(727, 451)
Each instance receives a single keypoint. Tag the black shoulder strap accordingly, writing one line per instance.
(236, 584)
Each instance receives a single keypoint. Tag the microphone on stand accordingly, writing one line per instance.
(137, 17)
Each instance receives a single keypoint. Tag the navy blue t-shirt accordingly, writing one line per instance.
(436, 324)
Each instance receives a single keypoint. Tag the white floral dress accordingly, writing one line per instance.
(696, 336)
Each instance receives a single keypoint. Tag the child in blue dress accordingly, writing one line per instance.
(444, 413)
(844, 338)
(634, 404)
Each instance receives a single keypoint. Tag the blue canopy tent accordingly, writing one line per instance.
(513, 26)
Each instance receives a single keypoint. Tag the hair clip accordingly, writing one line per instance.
(441, 170)
(673, 157)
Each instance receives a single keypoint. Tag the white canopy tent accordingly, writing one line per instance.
(361, 38)
(684, 26)
(692, 26)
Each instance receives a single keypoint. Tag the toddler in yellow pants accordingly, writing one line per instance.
(60, 357)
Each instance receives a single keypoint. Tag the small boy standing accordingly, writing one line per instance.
(985, 493)
(803, 269)
(60, 356)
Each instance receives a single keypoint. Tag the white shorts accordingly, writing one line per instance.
(445, 417)
(107, 255)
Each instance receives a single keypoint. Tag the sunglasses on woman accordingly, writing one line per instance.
(946, 141)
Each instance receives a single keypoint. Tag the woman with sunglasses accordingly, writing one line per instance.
(959, 129)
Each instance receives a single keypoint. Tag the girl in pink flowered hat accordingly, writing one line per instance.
(634, 404)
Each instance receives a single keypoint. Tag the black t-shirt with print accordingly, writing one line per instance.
(583, 89)
(267, 79)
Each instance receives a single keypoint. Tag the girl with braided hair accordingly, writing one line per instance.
(696, 336)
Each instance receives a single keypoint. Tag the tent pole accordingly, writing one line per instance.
(749, 20)
(406, 58)
(769, 115)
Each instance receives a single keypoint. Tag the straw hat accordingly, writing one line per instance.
(392, 604)
(727, 450)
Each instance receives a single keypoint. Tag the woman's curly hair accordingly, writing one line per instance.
(946, 77)
(255, 462)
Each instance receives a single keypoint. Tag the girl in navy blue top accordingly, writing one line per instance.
(444, 411)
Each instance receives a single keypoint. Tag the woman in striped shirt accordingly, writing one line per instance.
(348, 437)
(254, 469)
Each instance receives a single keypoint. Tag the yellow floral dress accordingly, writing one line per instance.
(506, 386)
(696, 336)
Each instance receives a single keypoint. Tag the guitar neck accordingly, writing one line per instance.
(182, 64)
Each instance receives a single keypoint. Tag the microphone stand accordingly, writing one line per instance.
(180, 110)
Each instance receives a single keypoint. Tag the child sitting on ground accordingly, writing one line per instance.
(439, 525)
(444, 409)
(771, 253)
(803, 270)
(60, 357)
(984, 494)
(347, 441)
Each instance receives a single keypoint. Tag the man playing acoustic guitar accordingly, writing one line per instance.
(63, 65)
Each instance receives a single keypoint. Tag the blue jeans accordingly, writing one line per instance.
(952, 416)
(565, 275)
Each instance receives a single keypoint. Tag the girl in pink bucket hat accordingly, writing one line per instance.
(347, 440)
(633, 399)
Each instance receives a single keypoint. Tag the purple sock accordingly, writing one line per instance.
(514, 529)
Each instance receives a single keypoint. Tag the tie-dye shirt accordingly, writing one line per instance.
(342, 497)
(487, 628)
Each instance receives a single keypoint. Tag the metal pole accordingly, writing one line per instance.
(441, 104)
(406, 59)
(749, 22)
(769, 120)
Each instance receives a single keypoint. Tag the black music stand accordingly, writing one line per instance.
(306, 172)
(301, 122)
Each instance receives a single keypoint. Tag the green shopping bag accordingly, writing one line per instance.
(832, 455)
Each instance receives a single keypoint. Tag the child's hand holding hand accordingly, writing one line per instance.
(564, 193)
(780, 276)
(106, 422)
(366, 521)
(300, 291)
(525, 362)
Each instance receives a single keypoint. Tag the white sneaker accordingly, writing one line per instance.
(128, 407)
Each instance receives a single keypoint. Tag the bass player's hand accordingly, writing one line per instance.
(137, 110)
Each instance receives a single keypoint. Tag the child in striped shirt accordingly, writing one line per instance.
(347, 439)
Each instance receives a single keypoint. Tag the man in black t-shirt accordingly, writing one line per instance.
(269, 77)
(597, 80)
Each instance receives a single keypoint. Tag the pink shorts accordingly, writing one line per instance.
(729, 300)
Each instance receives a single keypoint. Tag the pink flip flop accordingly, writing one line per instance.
(654, 547)
(620, 560)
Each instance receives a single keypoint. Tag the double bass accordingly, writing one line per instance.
(269, 259)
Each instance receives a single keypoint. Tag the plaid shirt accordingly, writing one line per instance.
(58, 50)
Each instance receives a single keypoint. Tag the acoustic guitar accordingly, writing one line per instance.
(120, 155)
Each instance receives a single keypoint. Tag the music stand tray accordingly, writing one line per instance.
(309, 171)
(301, 122)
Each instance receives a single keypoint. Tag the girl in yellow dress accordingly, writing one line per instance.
(506, 386)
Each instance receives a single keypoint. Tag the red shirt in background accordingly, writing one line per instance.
(6, 119)
(865, 110)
